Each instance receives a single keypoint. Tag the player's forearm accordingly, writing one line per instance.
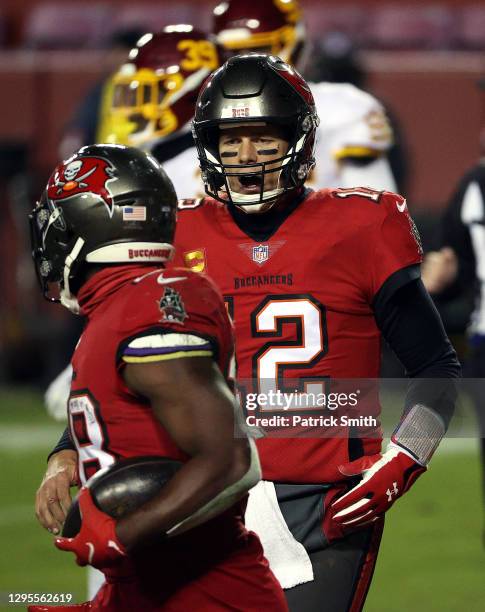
(205, 486)
(61, 459)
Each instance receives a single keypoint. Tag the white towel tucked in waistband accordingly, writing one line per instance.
(287, 558)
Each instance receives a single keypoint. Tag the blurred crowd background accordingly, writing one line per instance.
(422, 58)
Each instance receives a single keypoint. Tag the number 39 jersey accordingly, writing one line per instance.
(301, 301)
(137, 314)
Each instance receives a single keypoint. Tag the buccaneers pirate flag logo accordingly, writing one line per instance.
(83, 175)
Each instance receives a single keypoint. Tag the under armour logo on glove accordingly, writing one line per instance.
(390, 493)
(373, 496)
(96, 543)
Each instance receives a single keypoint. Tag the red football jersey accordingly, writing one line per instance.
(142, 314)
(301, 302)
(137, 314)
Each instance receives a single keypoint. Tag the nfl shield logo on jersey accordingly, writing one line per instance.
(260, 253)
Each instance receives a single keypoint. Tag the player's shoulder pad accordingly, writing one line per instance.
(377, 205)
(359, 195)
(173, 298)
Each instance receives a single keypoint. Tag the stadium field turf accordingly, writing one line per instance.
(431, 559)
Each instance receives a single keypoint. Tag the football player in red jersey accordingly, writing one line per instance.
(102, 233)
(313, 280)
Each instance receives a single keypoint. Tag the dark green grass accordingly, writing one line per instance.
(431, 557)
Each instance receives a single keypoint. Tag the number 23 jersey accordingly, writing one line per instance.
(301, 301)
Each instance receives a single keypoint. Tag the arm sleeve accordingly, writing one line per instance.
(65, 443)
(411, 325)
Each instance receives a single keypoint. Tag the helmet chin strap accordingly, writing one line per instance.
(68, 300)
(257, 208)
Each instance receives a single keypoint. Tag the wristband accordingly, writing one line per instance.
(420, 432)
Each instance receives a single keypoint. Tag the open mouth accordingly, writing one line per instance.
(250, 183)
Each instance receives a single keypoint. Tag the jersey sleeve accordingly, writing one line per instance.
(360, 127)
(182, 315)
(394, 242)
(161, 345)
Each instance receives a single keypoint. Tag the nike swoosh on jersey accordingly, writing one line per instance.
(161, 280)
(401, 207)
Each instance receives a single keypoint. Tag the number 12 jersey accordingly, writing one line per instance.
(301, 301)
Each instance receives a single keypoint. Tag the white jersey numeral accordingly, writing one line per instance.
(88, 435)
(363, 192)
(309, 346)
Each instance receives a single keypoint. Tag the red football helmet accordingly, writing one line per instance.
(265, 26)
(153, 94)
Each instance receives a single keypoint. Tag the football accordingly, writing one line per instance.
(123, 487)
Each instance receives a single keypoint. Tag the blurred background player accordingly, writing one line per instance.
(82, 127)
(149, 101)
(335, 59)
(354, 135)
(101, 235)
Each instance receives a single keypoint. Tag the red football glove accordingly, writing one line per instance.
(96, 543)
(385, 478)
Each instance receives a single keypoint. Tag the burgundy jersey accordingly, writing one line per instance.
(135, 315)
(301, 301)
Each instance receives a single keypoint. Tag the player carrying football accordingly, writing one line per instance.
(102, 233)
